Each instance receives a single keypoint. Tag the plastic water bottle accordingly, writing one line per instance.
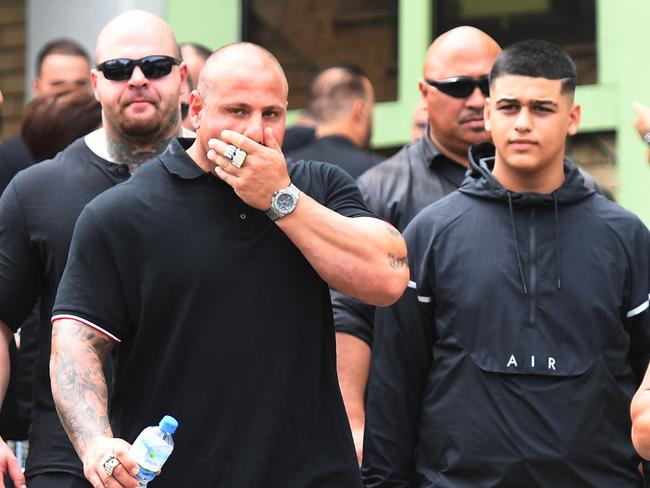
(152, 448)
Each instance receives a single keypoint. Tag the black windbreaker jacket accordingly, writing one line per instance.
(512, 357)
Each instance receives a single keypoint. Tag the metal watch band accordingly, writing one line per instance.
(274, 213)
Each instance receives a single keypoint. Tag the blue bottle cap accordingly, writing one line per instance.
(168, 424)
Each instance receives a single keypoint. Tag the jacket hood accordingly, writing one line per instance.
(479, 181)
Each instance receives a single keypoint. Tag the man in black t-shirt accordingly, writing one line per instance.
(213, 293)
(38, 210)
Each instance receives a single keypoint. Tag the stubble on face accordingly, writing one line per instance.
(140, 115)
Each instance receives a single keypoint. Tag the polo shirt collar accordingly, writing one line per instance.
(429, 150)
(444, 166)
(176, 160)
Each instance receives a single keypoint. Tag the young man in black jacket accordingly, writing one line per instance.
(512, 357)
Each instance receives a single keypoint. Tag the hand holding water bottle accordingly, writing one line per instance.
(152, 448)
(114, 470)
(132, 466)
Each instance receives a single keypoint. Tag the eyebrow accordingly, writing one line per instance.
(248, 105)
(531, 102)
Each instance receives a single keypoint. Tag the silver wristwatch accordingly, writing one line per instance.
(284, 202)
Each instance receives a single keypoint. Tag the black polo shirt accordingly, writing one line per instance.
(38, 210)
(222, 323)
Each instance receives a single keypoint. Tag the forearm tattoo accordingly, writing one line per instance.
(78, 383)
(397, 262)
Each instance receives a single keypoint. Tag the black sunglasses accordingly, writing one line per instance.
(462, 86)
(153, 67)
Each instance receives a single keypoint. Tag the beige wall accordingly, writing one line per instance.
(12, 63)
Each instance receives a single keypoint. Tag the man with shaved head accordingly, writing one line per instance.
(454, 87)
(211, 293)
(342, 100)
(137, 82)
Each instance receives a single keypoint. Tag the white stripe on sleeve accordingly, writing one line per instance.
(85, 322)
(639, 309)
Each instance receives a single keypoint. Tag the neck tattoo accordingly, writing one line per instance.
(133, 156)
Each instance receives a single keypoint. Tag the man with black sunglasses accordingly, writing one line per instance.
(137, 82)
(454, 87)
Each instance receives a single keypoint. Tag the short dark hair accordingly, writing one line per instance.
(538, 59)
(60, 46)
(199, 49)
(53, 120)
(329, 98)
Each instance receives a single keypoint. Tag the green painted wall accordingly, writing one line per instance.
(209, 22)
(623, 74)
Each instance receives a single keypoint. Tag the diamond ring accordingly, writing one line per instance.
(235, 155)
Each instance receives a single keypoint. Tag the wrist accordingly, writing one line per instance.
(284, 202)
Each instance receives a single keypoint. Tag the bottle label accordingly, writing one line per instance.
(151, 454)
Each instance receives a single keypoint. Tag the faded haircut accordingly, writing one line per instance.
(334, 90)
(536, 58)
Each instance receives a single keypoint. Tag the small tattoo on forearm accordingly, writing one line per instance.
(393, 231)
(397, 262)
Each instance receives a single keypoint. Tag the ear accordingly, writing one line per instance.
(574, 120)
(487, 113)
(357, 110)
(196, 109)
(93, 83)
(424, 88)
(36, 86)
(182, 69)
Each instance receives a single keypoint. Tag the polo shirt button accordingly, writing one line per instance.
(242, 216)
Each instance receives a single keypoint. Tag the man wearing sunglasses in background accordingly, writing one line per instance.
(137, 82)
(454, 86)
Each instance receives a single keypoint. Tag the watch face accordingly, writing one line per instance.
(285, 203)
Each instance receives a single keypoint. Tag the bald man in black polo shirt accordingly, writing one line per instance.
(213, 290)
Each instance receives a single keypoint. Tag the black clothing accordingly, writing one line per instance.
(14, 417)
(223, 324)
(57, 480)
(397, 190)
(512, 357)
(297, 136)
(401, 186)
(14, 156)
(13, 422)
(338, 150)
(38, 211)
